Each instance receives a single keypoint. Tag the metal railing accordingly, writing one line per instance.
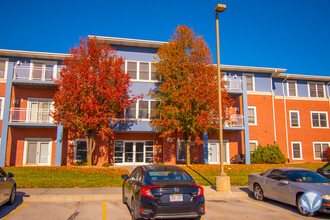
(26, 72)
(235, 121)
(23, 115)
(233, 84)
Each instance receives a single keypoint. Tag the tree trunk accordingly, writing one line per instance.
(187, 142)
(90, 149)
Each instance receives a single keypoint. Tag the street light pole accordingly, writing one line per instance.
(222, 180)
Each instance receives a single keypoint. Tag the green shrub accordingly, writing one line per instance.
(81, 163)
(270, 154)
(106, 165)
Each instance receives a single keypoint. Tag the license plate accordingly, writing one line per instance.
(176, 198)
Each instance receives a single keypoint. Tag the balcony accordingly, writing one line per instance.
(233, 84)
(36, 116)
(37, 73)
(235, 121)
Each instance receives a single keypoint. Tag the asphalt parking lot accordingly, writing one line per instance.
(244, 208)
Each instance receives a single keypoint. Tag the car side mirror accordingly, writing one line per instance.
(284, 181)
(10, 175)
(125, 177)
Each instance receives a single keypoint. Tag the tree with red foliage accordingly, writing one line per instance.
(92, 90)
(188, 90)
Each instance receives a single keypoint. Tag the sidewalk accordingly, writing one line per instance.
(109, 194)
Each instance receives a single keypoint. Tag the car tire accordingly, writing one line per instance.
(301, 210)
(258, 193)
(12, 197)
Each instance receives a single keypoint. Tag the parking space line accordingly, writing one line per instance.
(104, 210)
(267, 209)
(15, 211)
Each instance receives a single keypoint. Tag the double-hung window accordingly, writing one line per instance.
(320, 149)
(252, 115)
(294, 119)
(292, 88)
(143, 109)
(142, 71)
(3, 68)
(253, 146)
(80, 150)
(296, 150)
(249, 82)
(319, 119)
(316, 90)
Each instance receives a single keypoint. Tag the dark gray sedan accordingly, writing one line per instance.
(288, 185)
(7, 188)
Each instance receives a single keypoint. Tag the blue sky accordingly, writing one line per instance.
(290, 34)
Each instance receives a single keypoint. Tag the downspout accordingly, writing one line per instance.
(328, 94)
(286, 119)
(273, 101)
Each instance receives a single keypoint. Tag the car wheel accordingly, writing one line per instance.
(12, 196)
(258, 193)
(301, 209)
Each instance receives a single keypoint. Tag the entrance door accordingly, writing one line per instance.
(214, 154)
(37, 153)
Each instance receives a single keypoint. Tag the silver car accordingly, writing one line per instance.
(7, 188)
(288, 185)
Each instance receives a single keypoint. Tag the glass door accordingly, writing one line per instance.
(128, 154)
(38, 153)
(139, 152)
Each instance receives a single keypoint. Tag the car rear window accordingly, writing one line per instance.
(168, 175)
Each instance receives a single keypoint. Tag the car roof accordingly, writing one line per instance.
(290, 169)
(161, 167)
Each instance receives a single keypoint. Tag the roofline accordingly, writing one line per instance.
(32, 54)
(251, 69)
(304, 77)
(129, 42)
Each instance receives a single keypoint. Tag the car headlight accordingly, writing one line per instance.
(326, 197)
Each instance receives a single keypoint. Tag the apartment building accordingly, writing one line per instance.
(269, 105)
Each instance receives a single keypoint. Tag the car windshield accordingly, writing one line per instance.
(168, 175)
(305, 176)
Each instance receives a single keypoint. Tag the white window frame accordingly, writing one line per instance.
(300, 150)
(295, 88)
(137, 111)
(28, 109)
(253, 81)
(298, 115)
(138, 71)
(255, 142)
(2, 106)
(319, 142)
(6, 67)
(255, 115)
(319, 112)
(44, 63)
(38, 140)
(134, 152)
(309, 91)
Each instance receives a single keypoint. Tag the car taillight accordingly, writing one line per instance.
(146, 191)
(200, 191)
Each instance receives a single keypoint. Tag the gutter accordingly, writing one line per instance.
(286, 119)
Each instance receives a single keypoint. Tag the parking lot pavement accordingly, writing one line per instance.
(246, 208)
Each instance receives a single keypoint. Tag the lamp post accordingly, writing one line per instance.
(222, 180)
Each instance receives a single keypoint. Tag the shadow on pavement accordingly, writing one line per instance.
(7, 209)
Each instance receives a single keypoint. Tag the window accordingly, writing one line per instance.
(253, 146)
(252, 115)
(2, 102)
(134, 152)
(154, 105)
(320, 150)
(144, 109)
(249, 82)
(296, 150)
(131, 111)
(41, 70)
(143, 71)
(294, 119)
(39, 111)
(277, 175)
(319, 119)
(37, 152)
(292, 88)
(181, 152)
(3, 68)
(80, 152)
(316, 90)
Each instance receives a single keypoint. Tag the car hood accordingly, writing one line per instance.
(321, 188)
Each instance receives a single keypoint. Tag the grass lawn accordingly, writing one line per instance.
(89, 177)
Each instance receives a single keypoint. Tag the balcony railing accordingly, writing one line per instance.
(23, 115)
(233, 84)
(235, 121)
(36, 73)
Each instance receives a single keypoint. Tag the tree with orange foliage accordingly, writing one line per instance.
(188, 89)
(92, 90)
